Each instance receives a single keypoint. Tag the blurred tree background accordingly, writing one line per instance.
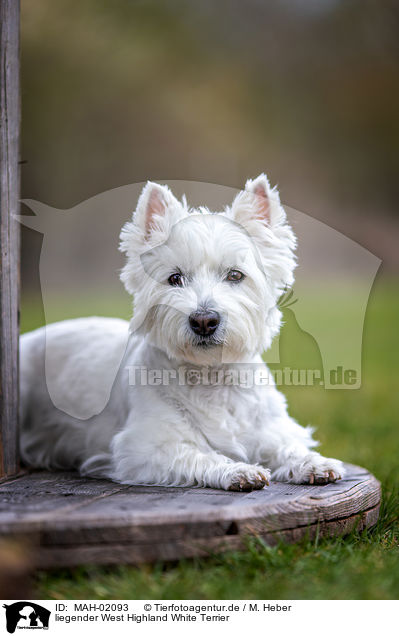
(129, 90)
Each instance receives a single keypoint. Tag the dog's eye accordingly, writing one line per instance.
(235, 276)
(176, 280)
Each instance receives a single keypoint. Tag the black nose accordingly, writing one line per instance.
(204, 323)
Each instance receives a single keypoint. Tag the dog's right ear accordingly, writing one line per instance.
(156, 213)
(157, 209)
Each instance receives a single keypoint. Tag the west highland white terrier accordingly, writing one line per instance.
(206, 288)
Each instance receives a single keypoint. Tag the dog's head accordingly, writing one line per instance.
(205, 284)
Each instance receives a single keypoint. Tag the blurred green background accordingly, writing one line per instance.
(124, 91)
(117, 92)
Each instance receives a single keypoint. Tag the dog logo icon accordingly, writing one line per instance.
(26, 615)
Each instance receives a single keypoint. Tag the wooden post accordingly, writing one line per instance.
(9, 234)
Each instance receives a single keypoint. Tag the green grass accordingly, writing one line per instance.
(360, 427)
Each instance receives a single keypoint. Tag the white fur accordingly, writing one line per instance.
(220, 436)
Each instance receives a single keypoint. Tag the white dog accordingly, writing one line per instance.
(206, 287)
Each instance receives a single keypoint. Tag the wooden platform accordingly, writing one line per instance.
(68, 520)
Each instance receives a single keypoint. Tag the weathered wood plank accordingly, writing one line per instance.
(71, 520)
(42, 493)
(135, 553)
(68, 499)
(9, 233)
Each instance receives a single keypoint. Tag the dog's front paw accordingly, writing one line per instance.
(247, 478)
(316, 469)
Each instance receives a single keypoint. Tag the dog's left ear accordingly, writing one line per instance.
(259, 211)
(258, 202)
(260, 189)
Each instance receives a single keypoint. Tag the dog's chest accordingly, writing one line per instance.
(225, 416)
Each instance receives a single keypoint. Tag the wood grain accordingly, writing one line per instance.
(70, 520)
(131, 553)
(9, 233)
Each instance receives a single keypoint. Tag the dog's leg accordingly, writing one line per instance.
(164, 459)
(185, 466)
(286, 447)
(189, 466)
